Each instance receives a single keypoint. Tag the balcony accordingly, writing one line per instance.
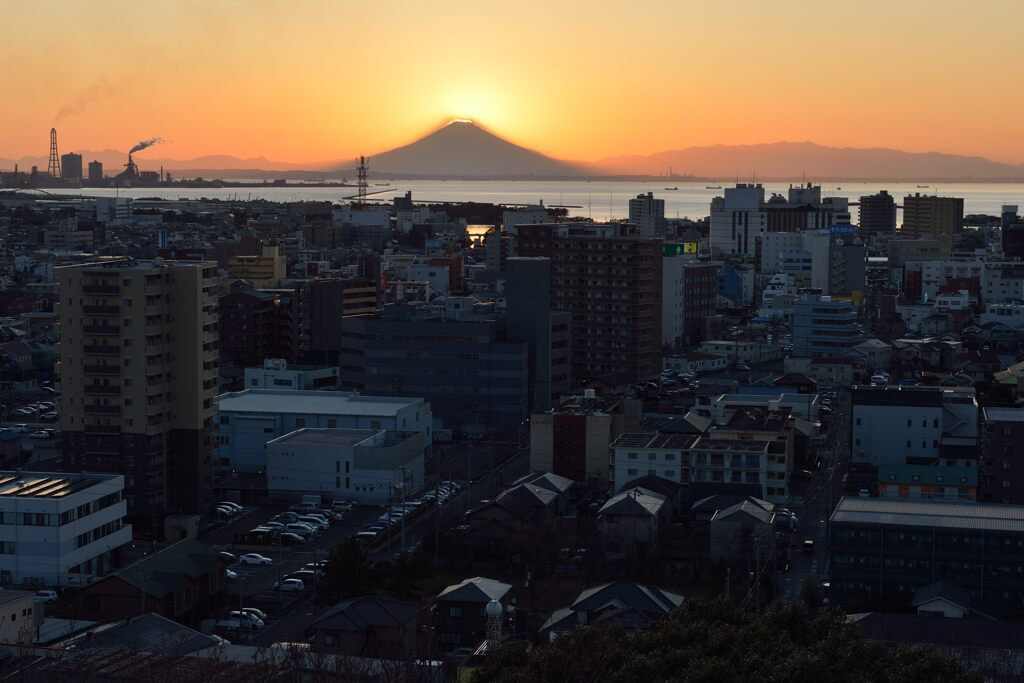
(107, 370)
(102, 410)
(101, 350)
(100, 289)
(101, 309)
(112, 330)
(101, 390)
(102, 429)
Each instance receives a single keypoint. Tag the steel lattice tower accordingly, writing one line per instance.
(361, 170)
(54, 156)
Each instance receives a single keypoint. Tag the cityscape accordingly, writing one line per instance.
(478, 401)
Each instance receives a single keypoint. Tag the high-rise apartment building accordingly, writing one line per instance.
(648, 213)
(266, 269)
(608, 277)
(256, 324)
(95, 171)
(321, 304)
(530, 318)
(138, 375)
(940, 218)
(877, 215)
(71, 166)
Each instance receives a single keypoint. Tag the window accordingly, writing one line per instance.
(908, 444)
(908, 423)
(631, 472)
(670, 473)
(631, 456)
(455, 612)
(652, 456)
(858, 422)
(670, 457)
(856, 442)
(1007, 483)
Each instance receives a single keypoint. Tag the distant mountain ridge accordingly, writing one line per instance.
(791, 160)
(462, 149)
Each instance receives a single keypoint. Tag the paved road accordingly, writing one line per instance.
(816, 503)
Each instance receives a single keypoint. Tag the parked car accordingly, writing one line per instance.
(316, 568)
(258, 613)
(45, 597)
(366, 536)
(39, 435)
(49, 417)
(808, 547)
(234, 506)
(290, 586)
(255, 558)
(227, 557)
(253, 620)
(315, 521)
(289, 538)
(231, 575)
(20, 427)
(50, 390)
(287, 517)
(304, 575)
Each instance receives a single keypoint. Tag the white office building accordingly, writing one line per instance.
(648, 213)
(530, 215)
(276, 373)
(248, 420)
(59, 529)
(366, 465)
(895, 425)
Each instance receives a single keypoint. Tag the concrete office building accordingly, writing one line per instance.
(530, 318)
(883, 550)
(372, 467)
(688, 299)
(940, 218)
(60, 529)
(530, 215)
(574, 439)
(894, 425)
(608, 277)
(71, 166)
(277, 373)
(823, 326)
(651, 453)
(649, 214)
(95, 172)
(475, 378)
(741, 218)
(877, 216)
(248, 419)
(138, 377)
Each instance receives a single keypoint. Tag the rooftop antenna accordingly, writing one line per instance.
(54, 157)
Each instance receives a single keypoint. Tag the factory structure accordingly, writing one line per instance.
(67, 170)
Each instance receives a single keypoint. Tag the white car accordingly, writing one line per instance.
(45, 596)
(39, 435)
(255, 558)
(258, 613)
(20, 427)
(232, 576)
(234, 506)
(290, 586)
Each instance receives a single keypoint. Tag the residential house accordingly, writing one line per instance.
(625, 604)
(459, 619)
(743, 532)
(631, 521)
(185, 582)
(367, 626)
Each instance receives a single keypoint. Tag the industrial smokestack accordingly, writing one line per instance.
(144, 144)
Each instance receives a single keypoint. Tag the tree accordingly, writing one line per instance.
(403, 577)
(716, 640)
(348, 572)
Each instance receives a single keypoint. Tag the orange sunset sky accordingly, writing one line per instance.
(312, 81)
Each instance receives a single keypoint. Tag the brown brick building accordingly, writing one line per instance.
(609, 278)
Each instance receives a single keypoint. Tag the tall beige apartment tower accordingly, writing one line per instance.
(138, 373)
(940, 218)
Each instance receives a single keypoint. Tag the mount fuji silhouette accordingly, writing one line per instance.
(462, 149)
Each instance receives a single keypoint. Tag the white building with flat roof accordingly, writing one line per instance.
(366, 465)
(58, 529)
(276, 373)
(248, 420)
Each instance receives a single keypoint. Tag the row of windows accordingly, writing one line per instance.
(97, 533)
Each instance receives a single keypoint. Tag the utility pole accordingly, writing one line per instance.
(402, 469)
